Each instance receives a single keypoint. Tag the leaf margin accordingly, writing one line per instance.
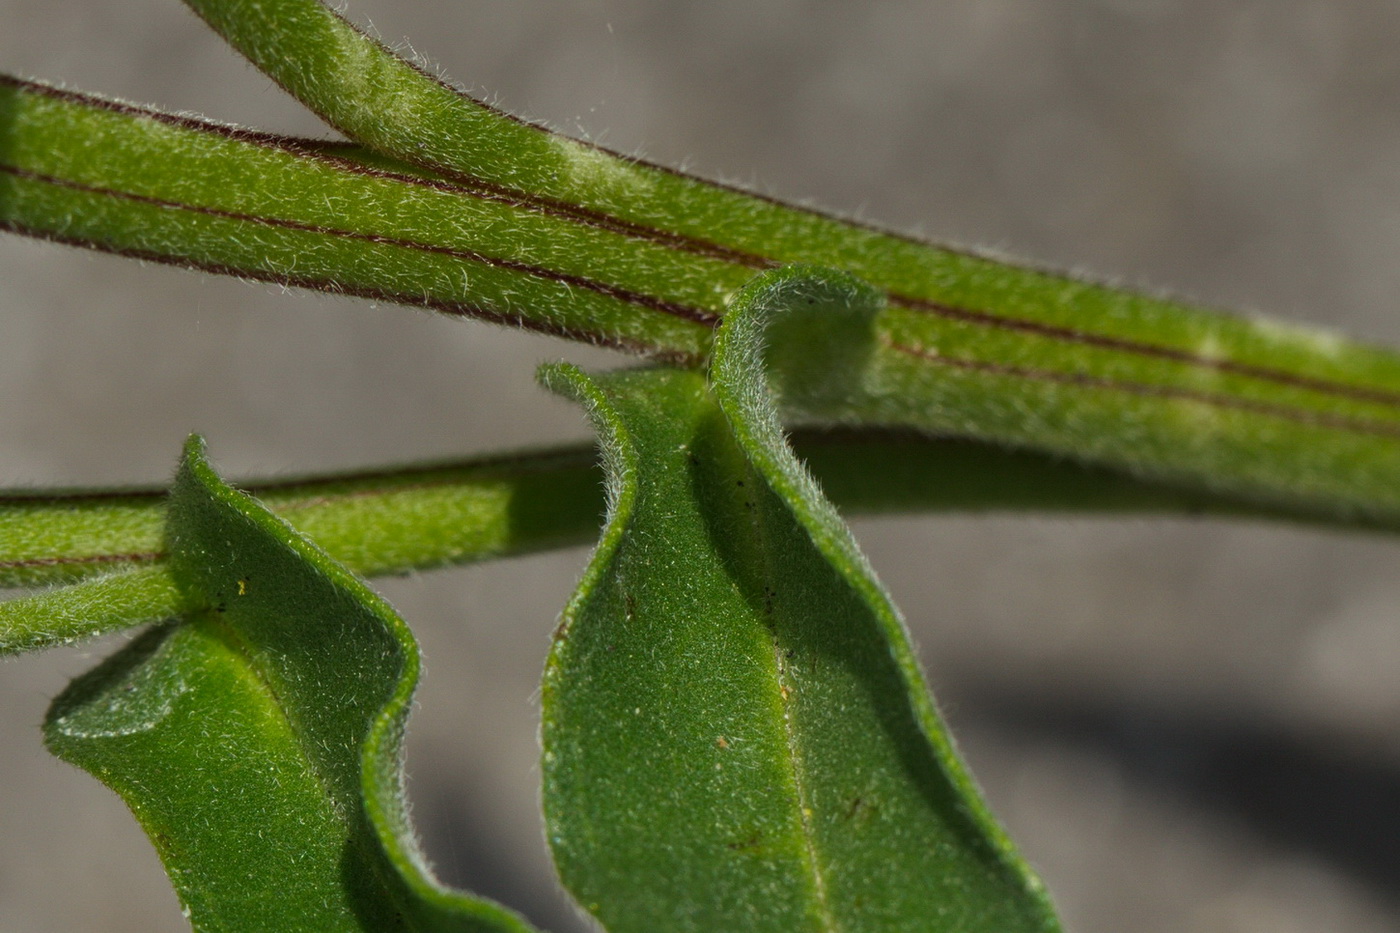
(399, 866)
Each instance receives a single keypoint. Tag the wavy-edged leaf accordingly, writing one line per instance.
(736, 734)
(258, 741)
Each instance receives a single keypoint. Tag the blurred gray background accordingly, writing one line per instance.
(1189, 726)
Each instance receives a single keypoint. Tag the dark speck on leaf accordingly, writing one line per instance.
(750, 843)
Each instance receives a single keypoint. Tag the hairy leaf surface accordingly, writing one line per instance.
(258, 740)
(736, 733)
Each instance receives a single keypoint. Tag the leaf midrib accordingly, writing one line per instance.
(785, 688)
(254, 673)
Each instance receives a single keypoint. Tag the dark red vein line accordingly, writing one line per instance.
(140, 557)
(457, 309)
(456, 182)
(256, 137)
(620, 156)
(486, 190)
(599, 220)
(323, 150)
(1071, 335)
(674, 309)
(1076, 380)
(756, 261)
(1363, 426)
(759, 261)
(952, 312)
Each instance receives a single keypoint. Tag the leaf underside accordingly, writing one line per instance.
(258, 740)
(736, 734)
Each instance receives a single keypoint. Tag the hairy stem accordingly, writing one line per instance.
(417, 517)
(449, 204)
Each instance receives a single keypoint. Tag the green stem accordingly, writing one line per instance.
(418, 517)
(80, 170)
(458, 207)
(967, 344)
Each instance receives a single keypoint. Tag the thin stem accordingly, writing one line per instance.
(417, 517)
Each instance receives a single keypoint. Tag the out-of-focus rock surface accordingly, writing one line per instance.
(1189, 726)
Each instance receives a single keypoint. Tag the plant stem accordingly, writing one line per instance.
(417, 517)
(455, 206)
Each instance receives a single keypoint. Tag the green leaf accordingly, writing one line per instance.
(258, 741)
(736, 734)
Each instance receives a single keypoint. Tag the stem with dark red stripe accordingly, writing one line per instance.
(457, 207)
